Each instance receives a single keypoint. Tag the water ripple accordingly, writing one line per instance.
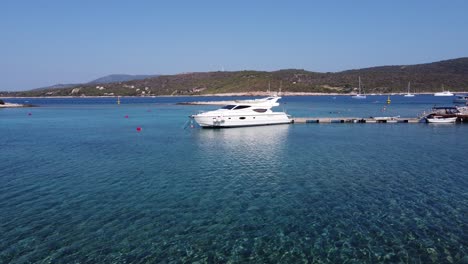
(99, 192)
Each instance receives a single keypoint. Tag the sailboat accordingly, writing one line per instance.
(359, 95)
(409, 94)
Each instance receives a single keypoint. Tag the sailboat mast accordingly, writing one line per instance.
(359, 84)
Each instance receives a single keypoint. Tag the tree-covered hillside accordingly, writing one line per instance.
(452, 74)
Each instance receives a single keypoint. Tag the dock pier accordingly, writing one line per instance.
(370, 120)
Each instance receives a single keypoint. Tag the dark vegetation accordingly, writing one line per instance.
(430, 77)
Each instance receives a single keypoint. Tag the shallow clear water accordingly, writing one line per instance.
(78, 183)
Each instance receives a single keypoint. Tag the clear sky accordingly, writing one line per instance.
(63, 41)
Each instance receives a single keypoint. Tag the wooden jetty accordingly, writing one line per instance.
(370, 120)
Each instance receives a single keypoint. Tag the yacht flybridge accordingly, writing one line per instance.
(240, 113)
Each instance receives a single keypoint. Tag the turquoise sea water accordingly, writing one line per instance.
(79, 184)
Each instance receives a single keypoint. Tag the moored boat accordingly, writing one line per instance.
(461, 99)
(460, 113)
(441, 119)
(443, 111)
(244, 113)
(408, 94)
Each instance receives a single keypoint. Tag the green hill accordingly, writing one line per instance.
(452, 74)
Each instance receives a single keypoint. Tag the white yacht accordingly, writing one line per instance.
(244, 113)
(443, 93)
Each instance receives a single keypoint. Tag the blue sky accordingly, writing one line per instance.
(49, 42)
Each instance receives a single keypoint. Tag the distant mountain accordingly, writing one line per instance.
(106, 79)
(56, 86)
(120, 78)
(429, 77)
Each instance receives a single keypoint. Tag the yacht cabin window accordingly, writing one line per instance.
(228, 107)
(260, 110)
(241, 107)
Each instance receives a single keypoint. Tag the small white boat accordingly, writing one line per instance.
(461, 99)
(441, 119)
(244, 113)
(359, 95)
(408, 94)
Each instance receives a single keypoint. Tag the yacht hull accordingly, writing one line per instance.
(358, 96)
(443, 94)
(441, 120)
(210, 121)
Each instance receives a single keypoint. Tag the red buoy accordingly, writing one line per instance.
(138, 129)
(126, 116)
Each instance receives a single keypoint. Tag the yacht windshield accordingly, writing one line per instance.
(228, 107)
